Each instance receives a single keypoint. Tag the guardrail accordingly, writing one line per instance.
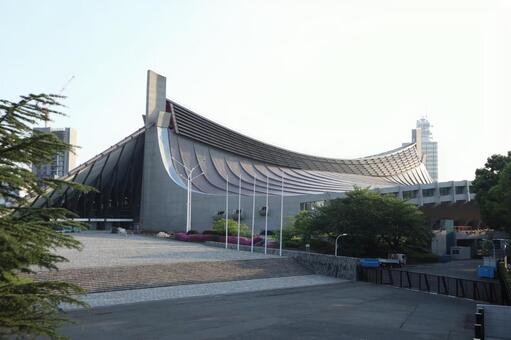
(444, 285)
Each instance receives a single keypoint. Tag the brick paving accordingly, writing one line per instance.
(101, 279)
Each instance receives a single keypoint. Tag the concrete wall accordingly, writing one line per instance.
(337, 266)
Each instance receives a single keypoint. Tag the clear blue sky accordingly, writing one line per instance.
(334, 78)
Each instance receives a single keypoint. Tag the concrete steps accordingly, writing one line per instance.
(103, 279)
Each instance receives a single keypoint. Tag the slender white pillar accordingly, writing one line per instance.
(239, 211)
(266, 218)
(188, 205)
(226, 212)
(281, 213)
(253, 217)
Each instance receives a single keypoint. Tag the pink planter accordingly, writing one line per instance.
(246, 241)
(195, 237)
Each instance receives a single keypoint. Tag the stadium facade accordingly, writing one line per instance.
(143, 178)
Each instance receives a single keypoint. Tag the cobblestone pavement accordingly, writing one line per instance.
(171, 274)
(103, 249)
(205, 289)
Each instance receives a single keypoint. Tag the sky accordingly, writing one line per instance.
(342, 79)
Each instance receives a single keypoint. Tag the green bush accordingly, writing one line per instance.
(422, 258)
(322, 246)
(212, 232)
(290, 239)
(505, 275)
(232, 228)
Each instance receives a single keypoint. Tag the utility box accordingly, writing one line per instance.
(485, 272)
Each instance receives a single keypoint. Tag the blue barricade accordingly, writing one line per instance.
(369, 263)
(486, 272)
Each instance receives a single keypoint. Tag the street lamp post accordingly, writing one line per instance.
(189, 179)
(226, 211)
(281, 213)
(266, 218)
(253, 216)
(493, 246)
(336, 239)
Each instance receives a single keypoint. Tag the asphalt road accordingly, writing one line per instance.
(352, 310)
(465, 269)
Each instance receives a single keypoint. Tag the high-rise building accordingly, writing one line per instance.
(63, 161)
(429, 148)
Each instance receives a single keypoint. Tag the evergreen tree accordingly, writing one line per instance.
(28, 234)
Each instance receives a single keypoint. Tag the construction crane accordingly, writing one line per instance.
(66, 84)
(60, 93)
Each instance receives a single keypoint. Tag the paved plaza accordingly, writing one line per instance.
(103, 249)
(349, 310)
(205, 289)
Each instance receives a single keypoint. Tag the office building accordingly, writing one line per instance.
(62, 162)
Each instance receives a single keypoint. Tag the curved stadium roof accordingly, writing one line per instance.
(312, 174)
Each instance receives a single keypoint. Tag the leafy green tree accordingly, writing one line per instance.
(492, 186)
(303, 226)
(27, 234)
(375, 225)
(232, 227)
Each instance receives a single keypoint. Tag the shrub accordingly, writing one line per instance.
(232, 228)
(211, 232)
(290, 239)
(422, 258)
(322, 246)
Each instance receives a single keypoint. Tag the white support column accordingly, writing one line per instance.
(188, 205)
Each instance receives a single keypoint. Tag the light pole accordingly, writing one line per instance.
(266, 218)
(253, 216)
(239, 211)
(189, 179)
(492, 244)
(227, 211)
(281, 213)
(336, 239)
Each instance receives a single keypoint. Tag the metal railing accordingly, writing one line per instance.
(479, 290)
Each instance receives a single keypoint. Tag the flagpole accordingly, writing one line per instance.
(281, 213)
(266, 219)
(253, 216)
(239, 211)
(226, 211)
